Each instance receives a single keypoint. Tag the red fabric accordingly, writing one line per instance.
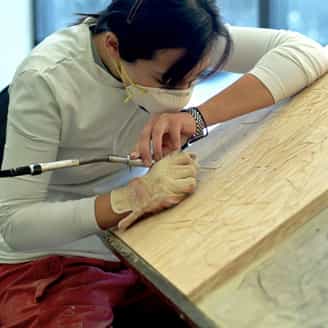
(63, 292)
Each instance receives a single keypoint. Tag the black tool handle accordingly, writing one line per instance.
(22, 170)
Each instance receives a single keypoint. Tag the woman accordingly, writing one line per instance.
(90, 90)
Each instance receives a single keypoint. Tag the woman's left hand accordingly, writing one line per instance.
(166, 133)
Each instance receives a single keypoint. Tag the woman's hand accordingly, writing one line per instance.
(165, 133)
(166, 184)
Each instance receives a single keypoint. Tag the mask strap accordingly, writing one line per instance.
(126, 79)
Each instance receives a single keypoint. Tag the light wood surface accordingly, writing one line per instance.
(270, 177)
(286, 288)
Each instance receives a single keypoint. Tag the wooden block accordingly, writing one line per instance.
(257, 197)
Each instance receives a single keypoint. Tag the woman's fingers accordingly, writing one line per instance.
(135, 154)
(184, 158)
(166, 134)
(185, 171)
(163, 132)
(127, 222)
(159, 130)
(144, 145)
(175, 130)
(186, 185)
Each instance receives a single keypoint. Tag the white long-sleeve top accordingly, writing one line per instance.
(64, 105)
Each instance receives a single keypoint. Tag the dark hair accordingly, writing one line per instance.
(145, 26)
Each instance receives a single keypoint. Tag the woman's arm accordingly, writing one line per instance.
(276, 64)
(28, 220)
(244, 96)
(285, 62)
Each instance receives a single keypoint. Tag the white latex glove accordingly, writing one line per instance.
(167, 183)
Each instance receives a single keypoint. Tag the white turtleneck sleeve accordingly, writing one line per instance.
(285, 62)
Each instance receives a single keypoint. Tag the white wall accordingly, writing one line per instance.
(15, 36)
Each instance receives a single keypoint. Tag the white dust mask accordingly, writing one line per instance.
(154, 100)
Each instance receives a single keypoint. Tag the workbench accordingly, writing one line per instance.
(249, 248)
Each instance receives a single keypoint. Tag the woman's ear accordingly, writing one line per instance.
(112, 45)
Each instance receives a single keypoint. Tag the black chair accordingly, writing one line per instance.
(4, 103)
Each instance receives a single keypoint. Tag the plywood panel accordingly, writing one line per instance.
(287, 288)
(263, 188)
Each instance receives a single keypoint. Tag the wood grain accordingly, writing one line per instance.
(266, 186)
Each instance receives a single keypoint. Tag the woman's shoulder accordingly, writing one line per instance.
(69, 44)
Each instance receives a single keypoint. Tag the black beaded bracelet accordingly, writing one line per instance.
(201, 126)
